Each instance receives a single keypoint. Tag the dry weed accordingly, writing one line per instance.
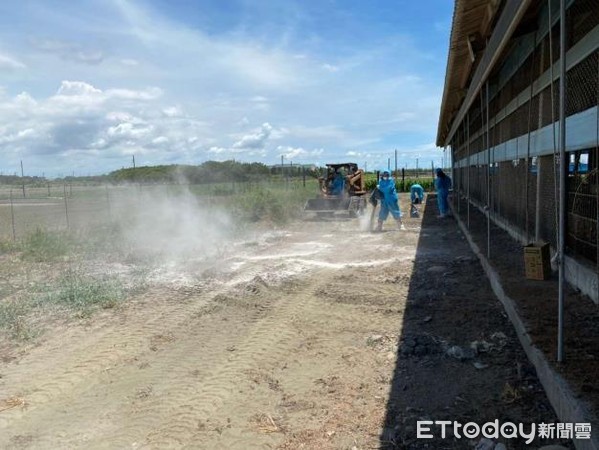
(265, 423)
(12, 402)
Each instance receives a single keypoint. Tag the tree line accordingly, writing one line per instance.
(207, 172)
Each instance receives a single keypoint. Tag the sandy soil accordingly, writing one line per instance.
(319, 336)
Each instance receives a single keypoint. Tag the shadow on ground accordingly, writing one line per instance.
(458, 357)
(536, 302)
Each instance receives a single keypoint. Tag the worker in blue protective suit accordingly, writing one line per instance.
(416, 197)
(338, 184)
(416, 194)
(389, 200)
(442, 185)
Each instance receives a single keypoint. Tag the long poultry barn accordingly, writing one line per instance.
(501, 115)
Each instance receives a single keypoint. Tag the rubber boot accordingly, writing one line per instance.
(400, 224)
(379, 227)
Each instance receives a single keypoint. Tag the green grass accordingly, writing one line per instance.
(103, 239)
(45, 246)
(74, 293)
(8, 246)
(426, 183)
(84, 294)
(269, 204)
(13, 319)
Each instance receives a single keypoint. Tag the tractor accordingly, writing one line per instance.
(341, 190)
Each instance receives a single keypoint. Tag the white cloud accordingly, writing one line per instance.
(25, 100)
(74, 98)
(10, 63)
(330, 67)
(150, 93)
(160, 140)
(255, 140)
(98, 126)
(128, 130)
(16, 136)
(292, 153)
(120, 116)
(172, 111)
(77, 88)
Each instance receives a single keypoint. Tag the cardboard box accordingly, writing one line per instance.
(537, 262)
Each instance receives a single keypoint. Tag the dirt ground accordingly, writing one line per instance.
(537, 305)
(317, 336)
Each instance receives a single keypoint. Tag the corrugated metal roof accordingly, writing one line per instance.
(471, 26)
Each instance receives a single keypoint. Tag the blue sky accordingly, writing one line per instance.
(85, 85)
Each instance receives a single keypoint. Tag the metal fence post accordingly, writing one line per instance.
(66, 208)
(108, 204)
(12, 218)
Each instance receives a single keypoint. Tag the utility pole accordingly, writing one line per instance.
(133, 175)
(395, 164)
(23, 178)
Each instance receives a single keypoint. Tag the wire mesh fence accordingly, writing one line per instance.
(506, 147)
(75, 207)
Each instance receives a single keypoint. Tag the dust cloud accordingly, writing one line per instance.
(173, 227)
(365, 221)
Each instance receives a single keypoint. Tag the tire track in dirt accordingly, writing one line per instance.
(148, 390)
(325, 329)
(314, 318)
(91, 357)
(189, 364)
(49, 377)
(178, 363)
(269, 341)
(239, 439)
